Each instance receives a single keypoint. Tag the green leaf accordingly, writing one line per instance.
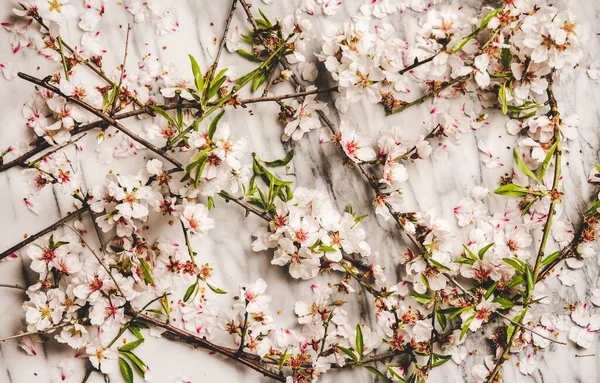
(348, 352)
(490, 290)
(439, 359)
(265, 19)
(359, 341)
(547, 160)
(515, 263)
(465, 261)
(190, 290)
(248, 56)
(593, 209)
(374, 371)
(470, 253)
(460, 311)
(528, 172)
(506, 58)
(513, 190)
(466, 325)
(164, 114)
(438, 265)
(395, 374)
(139, 365)
(281, 162)
(516, 281)
(483, 250)
(549, 259)
(213, 125)
(505, 303)
(258, 81)
(462, 43)
(441, 318)
(198, 78)
(421, 298)
(215, 86)
(146, 271)
(488, 17)
(502, 98)
(126, 370)
(131, 345)
(530, 279)
(216, 290)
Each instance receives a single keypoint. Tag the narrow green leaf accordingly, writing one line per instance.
(439, 359)
(139, 364)
(126, 370)
(530, 279)
(465, 261)
(488, 17)
(421, 298)
(460, 311)
(528, 172)
(438, 265)
(550, 258)
(131, 345)
(513, 190)
(502, 98)
(190, 290)
(490, 290)
(359, 341)
(395, 374)
(216, 290)
(198, 77)
(213, 125)
(248, 56)
(214, 87)
(516, 263)
(146, 271)
(547, 160)
(164, 114)
(469, 252)
(505, 303)
(441, 318)
(348, 352)
(374, 371)
(484, 250)
(281, 162)
(593, 209)
(466, 325)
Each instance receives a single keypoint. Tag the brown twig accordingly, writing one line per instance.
(197, 341)
(108, 119)
(47, 230)
(222, 43)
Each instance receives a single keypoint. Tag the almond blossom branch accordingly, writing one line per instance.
(197, 341)
(223, 41)
(47, 230)
(111, 120)
(16, 287)
(554, 196)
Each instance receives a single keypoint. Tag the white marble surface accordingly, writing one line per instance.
(434, 185)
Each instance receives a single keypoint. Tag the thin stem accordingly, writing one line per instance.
(112, 121)
(47, 230)
(18, 336)
(97, 257)
(203, 343)
(554, 195)
(16, 287)
(429, 95)
(215, 64)
(117, 90)
(62, 55)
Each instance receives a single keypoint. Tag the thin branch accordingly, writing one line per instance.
(16, 287)
(429, 95)
(222, 43)
(47, 230)
(111, 120)
(97, 258)
(197, 341)
(18, 336)
(117, 90)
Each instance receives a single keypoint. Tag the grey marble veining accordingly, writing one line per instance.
(433, 185)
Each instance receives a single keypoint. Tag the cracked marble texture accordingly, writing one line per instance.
(434, 185)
